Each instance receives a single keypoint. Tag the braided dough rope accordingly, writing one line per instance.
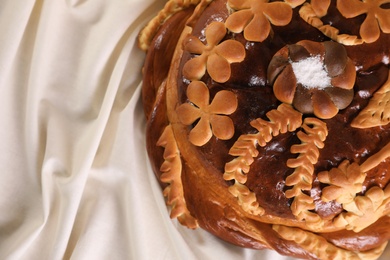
(170, 8)
(171, 173)
(309, 14)
(321, 248)
(376, 19)
(283, 119)
(301, 179)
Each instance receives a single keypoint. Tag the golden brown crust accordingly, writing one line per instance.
(283, 119)
(321, 248)
(228, 144)
(170, 8)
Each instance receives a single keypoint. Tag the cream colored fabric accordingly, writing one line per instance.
(75, 181)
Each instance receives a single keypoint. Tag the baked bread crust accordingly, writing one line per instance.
(248, 148)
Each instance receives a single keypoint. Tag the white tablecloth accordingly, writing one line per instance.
(75, 182)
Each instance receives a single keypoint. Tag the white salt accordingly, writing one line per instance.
(385, 60)
(311, 73)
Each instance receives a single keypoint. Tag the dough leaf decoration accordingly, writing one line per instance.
(377, 112)
(281, 120)
(312, 138)
(246, 199)
(171, 170)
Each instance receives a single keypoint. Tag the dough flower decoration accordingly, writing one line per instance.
(320, 7)
(377, 17)
(365, 210)
(316, 78)
(213, 119)
(344, 182)
(254, 17)
(214, 57)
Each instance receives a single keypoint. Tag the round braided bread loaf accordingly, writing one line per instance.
(268, 122)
